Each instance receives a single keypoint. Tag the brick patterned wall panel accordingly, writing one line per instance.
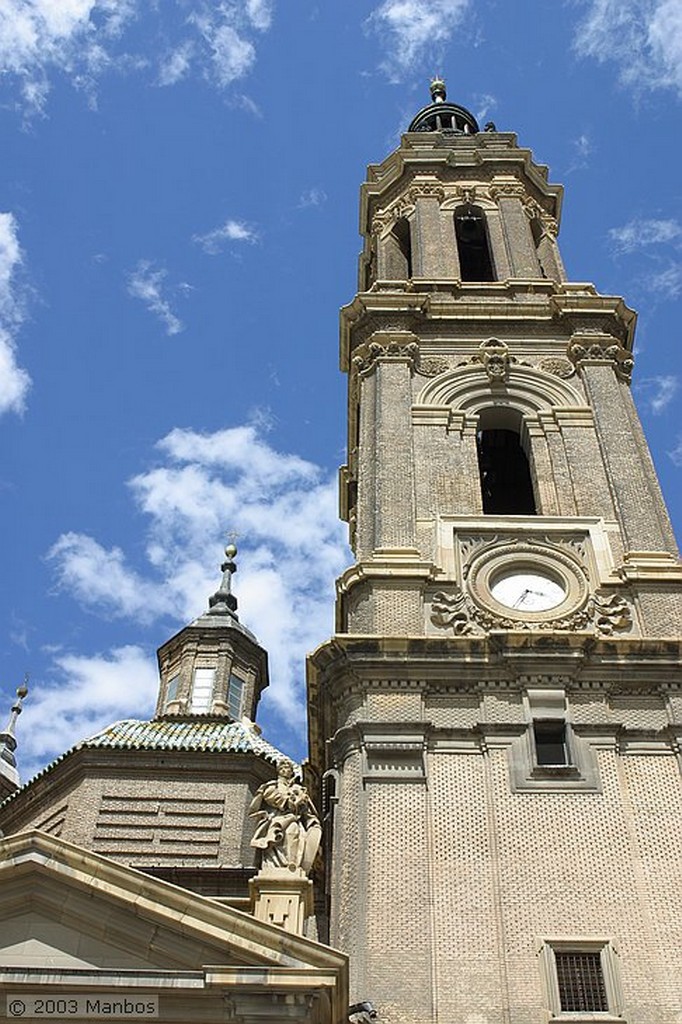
(568, 867)
(398, 611)
(502, 708)
(348, 907)
(397, 912)
(588, 709)
(653, 789)
(660, 611)
(639, 712)
(465, 933)
(53, 823)
(399, 706)
(452, 712)
(161, 830)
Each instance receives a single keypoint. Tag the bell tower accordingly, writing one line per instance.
(496, 722)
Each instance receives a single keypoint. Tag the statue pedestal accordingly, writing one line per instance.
(282, 896)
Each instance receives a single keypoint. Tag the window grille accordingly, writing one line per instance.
(202, 689)
(235, 689)
(581, 981)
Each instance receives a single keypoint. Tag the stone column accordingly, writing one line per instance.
(430, 256)
(639, 504)
(393, 354)
(520, 245)
(550, 259)
(541, 471)
(366, 466)
(498, 248)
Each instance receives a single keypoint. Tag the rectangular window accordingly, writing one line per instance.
(580, 977)
(202, 689)
(172, 689)
(235, 689)
(551, 748)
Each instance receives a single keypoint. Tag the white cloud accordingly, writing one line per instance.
(83, 39)
(146, 283)
(668, 283)
(643, 37)
(312, 197)
(231, 231)
(177, 64)
(676, 453)
(639, 233)
(14, 381)
(81, 696)
(659, 391)
(37, 36)
(283, 509)
(411, 30)
(485, 104)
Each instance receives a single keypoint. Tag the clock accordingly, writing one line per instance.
(531, 583)
(528, 591)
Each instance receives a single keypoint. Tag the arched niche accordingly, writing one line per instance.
(530, 391)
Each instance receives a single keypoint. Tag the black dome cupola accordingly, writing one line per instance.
(441, 116)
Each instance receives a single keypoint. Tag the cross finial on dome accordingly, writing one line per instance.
(8, 740)
(438, 92)
(223, 602)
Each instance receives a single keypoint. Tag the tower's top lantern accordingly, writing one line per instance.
(441, 116)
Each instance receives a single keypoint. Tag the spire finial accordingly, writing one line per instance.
(8, 740)
(223, 602)
(438, 92)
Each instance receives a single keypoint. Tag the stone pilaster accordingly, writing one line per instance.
(523, 257)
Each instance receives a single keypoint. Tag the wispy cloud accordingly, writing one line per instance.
(676, 453)
(485, 104)
(14, 381)
(668, 283)
(81, 695)
(83, 39)
(643, 38)
(410, 30)
(146, 283)
(214, 241)
(284, 510)
(658, 392)
(582, 149)
(312, 197)
(640, 233)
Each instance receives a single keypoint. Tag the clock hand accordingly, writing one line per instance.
(522, 597)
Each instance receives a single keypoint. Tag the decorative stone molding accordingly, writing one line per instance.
(449, 611)
(495, 357)
(507, 187)
(433, 366)
(610, 613)
(596, 347)
(557, 366)
(426, 190)
(397, 346)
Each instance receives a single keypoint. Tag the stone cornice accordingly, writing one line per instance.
(430, 154)
(569, 310)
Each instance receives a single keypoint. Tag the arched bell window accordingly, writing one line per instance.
(473, 247)
(398, 247)
(506, 481)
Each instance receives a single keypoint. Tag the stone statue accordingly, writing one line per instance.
(288, 829)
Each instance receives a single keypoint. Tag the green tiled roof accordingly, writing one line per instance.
(213, 735)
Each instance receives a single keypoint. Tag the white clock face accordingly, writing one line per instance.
(528, 592)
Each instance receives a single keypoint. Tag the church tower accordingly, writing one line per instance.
(496, 722)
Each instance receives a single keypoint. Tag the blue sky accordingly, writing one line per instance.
(178, 227)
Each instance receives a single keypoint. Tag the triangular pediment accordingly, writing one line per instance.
(66, 907)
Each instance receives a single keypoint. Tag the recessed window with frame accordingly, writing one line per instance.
(172, 689)
(235, 693)
(551, 743)
(202, 690)
(582, 978)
